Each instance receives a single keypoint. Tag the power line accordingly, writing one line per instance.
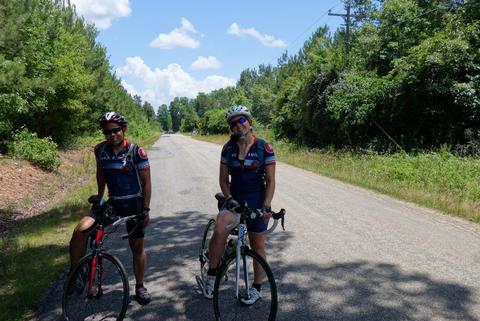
(346, 17)
(290, 45)
(314, 23)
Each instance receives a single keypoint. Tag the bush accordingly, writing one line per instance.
(39, 151)
(214, 122)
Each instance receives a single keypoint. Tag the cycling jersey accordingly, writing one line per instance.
(247, 177)
(121, 171)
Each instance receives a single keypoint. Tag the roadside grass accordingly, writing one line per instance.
(35, 252)
(437, 179)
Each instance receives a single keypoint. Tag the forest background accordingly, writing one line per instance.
(394, 107)
(397, 93)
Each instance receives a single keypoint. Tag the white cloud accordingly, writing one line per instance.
(266, 40)
(209, 62)
(102, 12)
(178, 37)
(160, 86)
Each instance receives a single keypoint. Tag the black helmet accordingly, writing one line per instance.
(112, 117)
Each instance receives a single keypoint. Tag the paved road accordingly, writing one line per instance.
(348, 254)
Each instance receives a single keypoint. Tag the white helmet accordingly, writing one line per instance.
(237, 110)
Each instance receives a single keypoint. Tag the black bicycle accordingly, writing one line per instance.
(235, 274)
(97, 287)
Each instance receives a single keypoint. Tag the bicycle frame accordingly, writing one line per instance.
(242, 230)
(97, 259)
(241, 243)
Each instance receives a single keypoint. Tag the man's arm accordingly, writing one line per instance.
(100, 181)
(146, 186)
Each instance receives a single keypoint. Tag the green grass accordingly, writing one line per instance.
(438, 180)
(36, 251)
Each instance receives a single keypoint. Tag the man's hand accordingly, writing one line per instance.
(94, 198)
(146, 216)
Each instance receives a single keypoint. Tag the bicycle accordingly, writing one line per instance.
(97, 287)
(233, 278)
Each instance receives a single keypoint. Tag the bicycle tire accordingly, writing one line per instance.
(107, 302)
(227, 307)
(203, 252)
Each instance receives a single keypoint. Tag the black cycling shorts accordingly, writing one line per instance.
(127, 207)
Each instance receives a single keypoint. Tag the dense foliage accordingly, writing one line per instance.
(55, 79)
(410, 79)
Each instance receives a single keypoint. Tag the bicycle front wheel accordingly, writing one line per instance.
(228, 306)
(203, 252)
(101, 295)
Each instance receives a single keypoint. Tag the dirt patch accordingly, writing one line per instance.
(25, 190)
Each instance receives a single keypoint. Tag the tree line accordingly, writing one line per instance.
(410, 80)
(55, 78)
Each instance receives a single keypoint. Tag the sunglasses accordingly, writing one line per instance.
(114, 130)
(234, 123)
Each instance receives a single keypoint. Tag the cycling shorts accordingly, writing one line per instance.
(129, 207)
(253, 200)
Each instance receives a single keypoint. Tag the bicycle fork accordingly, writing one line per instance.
(97, 260)
(241, 242)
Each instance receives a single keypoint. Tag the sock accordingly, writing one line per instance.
(212, 271)
(138, 286)
(257, 286)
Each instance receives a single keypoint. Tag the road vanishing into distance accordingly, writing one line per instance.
(347, 253)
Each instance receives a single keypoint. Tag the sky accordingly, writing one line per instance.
(166, 49)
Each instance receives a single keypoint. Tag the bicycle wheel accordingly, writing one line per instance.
(227, 306)
(203, 253)
(109, 294)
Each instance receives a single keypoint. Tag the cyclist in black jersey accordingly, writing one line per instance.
(124, 168)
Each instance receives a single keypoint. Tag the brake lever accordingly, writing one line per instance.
(280, 216)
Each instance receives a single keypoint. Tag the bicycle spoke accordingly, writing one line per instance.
(110, 292)
(203, 253)
(230, 308)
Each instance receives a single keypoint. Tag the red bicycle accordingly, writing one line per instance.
(97, 287)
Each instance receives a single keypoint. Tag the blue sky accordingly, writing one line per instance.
(163, 49)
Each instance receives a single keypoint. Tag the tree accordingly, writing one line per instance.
(148, 110)
(164, 117)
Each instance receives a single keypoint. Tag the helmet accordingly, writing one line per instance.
(237, 110)
(112, 117)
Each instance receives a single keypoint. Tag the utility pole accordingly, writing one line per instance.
(346, 17)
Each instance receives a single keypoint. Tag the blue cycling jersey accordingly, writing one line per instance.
(247, 176)
(121, 170)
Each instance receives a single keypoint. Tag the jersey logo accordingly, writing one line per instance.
(268, 148)
(142, 153)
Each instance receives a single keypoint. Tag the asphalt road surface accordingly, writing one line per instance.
(347, 254)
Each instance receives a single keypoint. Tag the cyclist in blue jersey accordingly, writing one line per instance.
(124, 168)
(247, 174)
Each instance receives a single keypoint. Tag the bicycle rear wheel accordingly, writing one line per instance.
(109, 295)
(227, 306)
(203, 252)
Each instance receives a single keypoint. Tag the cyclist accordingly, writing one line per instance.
(124, 168)
(250, 163)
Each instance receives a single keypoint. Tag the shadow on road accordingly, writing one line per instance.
(351, 291)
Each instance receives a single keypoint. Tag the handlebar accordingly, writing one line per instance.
(105, 216)
(244, 211)
(121, 220)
